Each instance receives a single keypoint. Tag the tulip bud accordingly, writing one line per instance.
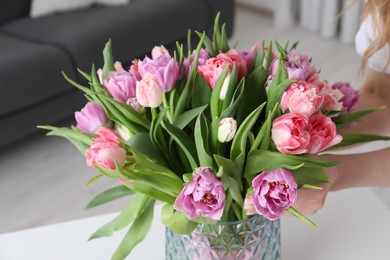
(224, 87)
(123, 132)
(227, 129)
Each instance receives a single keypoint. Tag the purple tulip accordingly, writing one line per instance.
(203, 196)
(351, 95)
(274, 191)
(249, 56)
(121, 86)
(164, 67)
(203, 57)
(91, 118)
(298, 67)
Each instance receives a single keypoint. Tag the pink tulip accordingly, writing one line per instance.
(213, 67)
(332, 97)
(91, 118)
(322, 132)
(289, 133)
(106, 150)
(203, 196)
(301, 98)
(274, 192)
(158, 51)
(148, 91)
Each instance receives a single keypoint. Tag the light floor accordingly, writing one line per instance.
(41, 180)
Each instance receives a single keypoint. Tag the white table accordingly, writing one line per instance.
(355, 224)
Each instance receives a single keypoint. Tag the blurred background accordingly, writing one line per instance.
(42, 178)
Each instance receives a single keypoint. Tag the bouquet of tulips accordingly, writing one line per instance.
(214, 133)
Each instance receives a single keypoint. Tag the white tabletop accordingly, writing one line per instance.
(355, 224)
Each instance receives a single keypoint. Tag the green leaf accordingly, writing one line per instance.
(109, 195)
(350, 139)
(346, 119)
(77, 85)
(310, 175)
(128, 112)
(156, 134)
(229, 168)
(84, 74)
(95, 83)
(142, 143)
(235, 190)
(214, 135)
(281, 50)
(137, 232)
(187, 177)
(308, 186)
(93, 179)
(106, 171)
(217, 33)
(231, 88)
(254, 94)
(259, 58)
(108, 60)
(135, 207)
(295, 213)
(116, 115)
(224, 40)
(235, 105)
(269, 58)
(208, 44)
(275, 95)
(184, 141)
(184, 119)
(201, 93)
(201, 135)
(75, 136)
(294, 46)
(167, 183)
(185, 95)
(150, 191)
(263, 160)
(263, 138)
(176, 220)
(240, 139)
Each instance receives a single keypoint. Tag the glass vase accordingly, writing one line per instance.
(253, 238)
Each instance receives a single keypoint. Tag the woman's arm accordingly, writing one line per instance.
(375, 92)
(356, 170)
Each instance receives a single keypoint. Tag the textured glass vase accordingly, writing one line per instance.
(250, 239)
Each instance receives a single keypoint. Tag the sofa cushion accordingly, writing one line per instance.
(134, 28)
(41, 8)
(13, 9)
(30, 73)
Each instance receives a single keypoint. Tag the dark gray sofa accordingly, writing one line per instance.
(33, 52)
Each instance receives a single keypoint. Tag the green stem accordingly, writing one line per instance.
(166, 106)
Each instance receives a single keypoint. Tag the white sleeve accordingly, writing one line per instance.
(363, 39)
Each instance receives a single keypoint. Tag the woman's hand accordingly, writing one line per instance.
(309, 201)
